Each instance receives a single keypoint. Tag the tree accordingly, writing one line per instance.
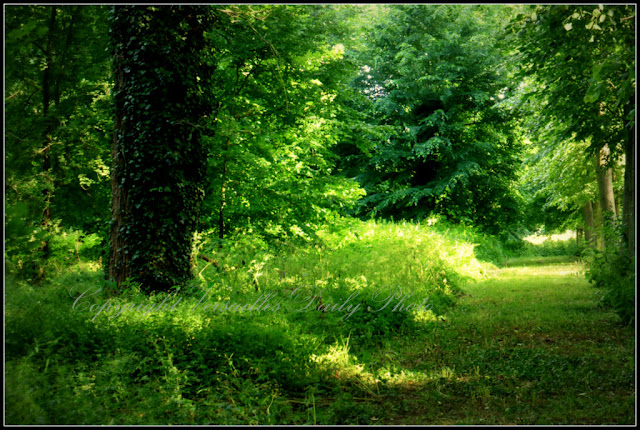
(587, 52)
(57, 86)
(158, 161)
(278, 94)
(562, 182)
(57, 122)
(436, 79)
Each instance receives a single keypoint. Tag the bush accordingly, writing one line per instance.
(31, 249)
(613, 271)
(23, 243)
(491, 250)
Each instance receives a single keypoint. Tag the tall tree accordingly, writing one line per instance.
(562, 180)
(587, 51)
(436, 79)
(160, 97)
(57, 96)
(276, 126)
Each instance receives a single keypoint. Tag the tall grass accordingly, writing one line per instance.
(266, 321)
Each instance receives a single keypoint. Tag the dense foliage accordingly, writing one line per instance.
(275, 119)
(271, 159)
(58, 128)
(580, 67)
(436, 77)
(319, 214)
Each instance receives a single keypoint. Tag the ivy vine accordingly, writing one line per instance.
(159, 163)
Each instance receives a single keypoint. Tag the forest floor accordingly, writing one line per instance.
(530, 345)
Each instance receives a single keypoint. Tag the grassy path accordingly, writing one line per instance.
(528, 346)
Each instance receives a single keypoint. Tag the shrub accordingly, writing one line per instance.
(23, 243)
(613, 271)
(25, 250)
(490, 249)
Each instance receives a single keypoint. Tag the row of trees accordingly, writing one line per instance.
(275, 118)
(580, 65)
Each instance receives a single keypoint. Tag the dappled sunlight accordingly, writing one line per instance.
(425, 316)
(319, 215)
(343, 367)
(500, 347)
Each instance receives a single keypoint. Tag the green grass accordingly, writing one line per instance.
(530, 346)
(523, 344)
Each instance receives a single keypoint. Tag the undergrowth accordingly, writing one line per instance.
(265, 334)
(253, 340)
(612, 271)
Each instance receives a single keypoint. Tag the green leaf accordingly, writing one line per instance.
(596, 72)
(593, 93)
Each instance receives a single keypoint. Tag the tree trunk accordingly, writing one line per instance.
(158, 161)
(118, 267)
(617, 197)
(223, 200)
(589, 226)
(628, 202)
(604, 176)
(597, 225)
(65, 53)
(47, 192)
(46, 104)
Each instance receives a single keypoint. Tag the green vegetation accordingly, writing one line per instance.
(319, 214)
(522, 345)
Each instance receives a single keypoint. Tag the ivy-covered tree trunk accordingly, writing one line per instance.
(158, 161)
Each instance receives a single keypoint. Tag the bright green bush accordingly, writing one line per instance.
(32, 250)
(23, 242)
(492, 250)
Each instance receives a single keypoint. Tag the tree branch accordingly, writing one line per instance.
(208, 259)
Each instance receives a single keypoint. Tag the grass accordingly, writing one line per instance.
(529, 346)
(526, 343)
